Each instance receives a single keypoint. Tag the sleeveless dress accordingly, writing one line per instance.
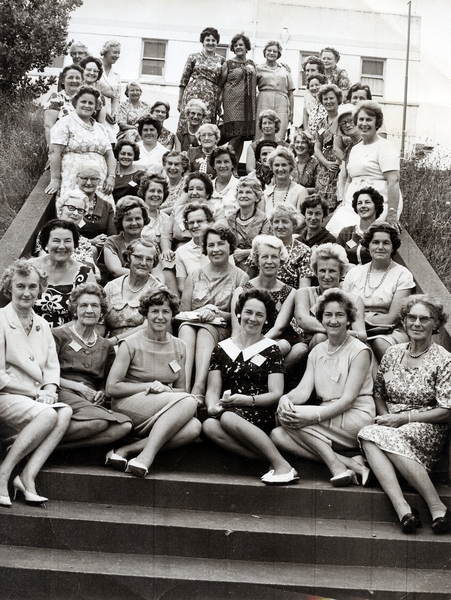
(239, 99)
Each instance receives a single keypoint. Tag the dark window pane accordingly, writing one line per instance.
(154, 49)
(372, 67)
(152, 67)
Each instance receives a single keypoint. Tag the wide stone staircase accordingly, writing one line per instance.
(202, 526)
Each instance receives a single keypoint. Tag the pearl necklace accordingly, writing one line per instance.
(416, 355)
(130, 287)
(336, 349)
(367, 280)
(86, 343)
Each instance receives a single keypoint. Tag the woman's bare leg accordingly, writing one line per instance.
(204, 347)
(189, 336)
(214, 432)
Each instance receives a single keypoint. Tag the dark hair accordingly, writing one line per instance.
(382, 228)
(319, 76)
(45, 232)
(257, 294)
(307, 137)
(355, 88)
(226, 149)
(224, 234)
(377, 199)
(209, 31)
(330, 87)
(130, 248)
(87, 288)
(149, 121)
(336, 295)
(236, 38)
(315, 60)
(332, 51)
(97, 61)
(192, 207)
(126, 204)
(153, 298)
(121, 143)
(261, 144)
(161, 103)
(371, 107)
(145, 182)
(85, 89)
(176, 154)
(313, 201)
(22, 268)
(63, 73)
(202, 177)
(434, 306)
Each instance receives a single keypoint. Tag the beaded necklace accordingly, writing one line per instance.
(367, 281)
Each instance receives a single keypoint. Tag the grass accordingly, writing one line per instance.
(23, 154)
(427, 212)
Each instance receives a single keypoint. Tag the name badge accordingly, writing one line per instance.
(258, 360)
(132, 183)
(82, 223)
(388, 377)
(335, 376)
(321, 131)
(175, 366)
(351, 244)
(201, 294)
(75, 346)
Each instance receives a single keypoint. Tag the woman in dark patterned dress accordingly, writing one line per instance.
(244, 383)
(201, 77)
(239, 95)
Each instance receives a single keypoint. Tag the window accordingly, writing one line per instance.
(154, 57)
(57, 62)
(373, 75)
(302, 79)
(221, 50)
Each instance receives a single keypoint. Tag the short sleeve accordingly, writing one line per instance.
(388, 157)
(188, 70)
(216, 360)
(274, 360)
(111, 246)
(443, 386)
(405, 280)
(55, 102)
(60, 133)
(290, 84)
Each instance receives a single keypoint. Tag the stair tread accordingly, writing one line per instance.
(195, 569)
(230, 522)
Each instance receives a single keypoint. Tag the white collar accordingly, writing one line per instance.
(232, 350)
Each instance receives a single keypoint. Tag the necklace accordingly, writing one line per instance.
(416, 355)
(27, 328)
(336, 349)
(243, 220)
(367, 281)
(273, 193)
(190, 132)
(91, 343)
(130, 287)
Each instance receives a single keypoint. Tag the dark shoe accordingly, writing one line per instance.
(411, 521)
(441, 524)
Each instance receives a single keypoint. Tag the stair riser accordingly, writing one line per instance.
(416, 551)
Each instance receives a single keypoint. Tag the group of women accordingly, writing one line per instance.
(281, 328)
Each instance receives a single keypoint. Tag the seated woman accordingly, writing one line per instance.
(248, 221)
(154, 190)
(128, 175)
(160, 110)
(262, 170)
(329, 264)
(147, 383)
(175, 165)
(83, 374)
(195, 113)
(130, 112)
(123, 294)
(283, 189)
(208, 136)
(224, 162)
(315, 210)
(32, 421)
(306, 164)
(413, 401)
(369, 205)
(208, 291)
(244, 384)
(59, 239)
(269, 124)
(382, 284)
(151, 152)
(339, 372)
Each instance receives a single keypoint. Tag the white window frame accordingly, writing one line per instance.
(163, 60)
(368, 79)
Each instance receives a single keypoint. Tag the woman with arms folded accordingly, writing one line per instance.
(32, 421)
(147, 383)
(244, 384)
(413, 401)
(339, 372)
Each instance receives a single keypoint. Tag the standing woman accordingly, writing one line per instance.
(195, 113)
(329, 166)
(201, 77)
(110, 85)
(160, 110)
(239, 95)
(130, 112)
(283, 189)
(316, 111)
(60, 103)
(275, 87)
(32, 421)
(306, 164)
(92, 72)
(339, 77)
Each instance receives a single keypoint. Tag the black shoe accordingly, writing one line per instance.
(441, 524)
(411, 521)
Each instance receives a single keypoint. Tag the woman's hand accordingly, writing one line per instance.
(99, 240)
(168, 255)
(215, 410)
(53, 186)
(110, 119)
(108, 184)
(332, 166)
(46, 397)
(301, 417)
(285, 405)
(156, 387)
(236, 400)
(392, 219)
(99, 398)
(207, 313)
(240, 254)
(391, 420)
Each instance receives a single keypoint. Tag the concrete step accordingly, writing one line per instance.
(226, 536)
(69, 575)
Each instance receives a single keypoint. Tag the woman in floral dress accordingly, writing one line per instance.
(413, 401)
(201, 77)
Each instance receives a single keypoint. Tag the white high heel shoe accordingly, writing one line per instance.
(29, 496)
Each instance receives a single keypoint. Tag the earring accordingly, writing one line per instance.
(266, 322)
(238, 317)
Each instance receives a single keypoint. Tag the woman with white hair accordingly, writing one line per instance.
(208, 136)
(195, 114)
(130, 112)
(110, 85)
(283, 189)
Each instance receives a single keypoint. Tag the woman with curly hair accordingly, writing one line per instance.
(283, 189)
(195, 116)
(130, 112)
(128, 175)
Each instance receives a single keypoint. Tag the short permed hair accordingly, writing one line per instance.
(224, 234)
(175, 154)
(268, 240)
(22, 268)
(85, 89)
(251, 182)
(329, 251)
(376, 197)
(145, 182)
(304, 135)
(336, 295)
(87, 288)
(146, 120)
(332, 51)
(372, 108)
(357, 87)
(261, 144)
(202, 177)
(434, 306)
(209, 31)
(192, 207)
(92, 59)
(240, 36)
(257, 294)
(313, 60)
(226, 149)
(130, 248)
(44, 234)
(273, 43)
(288, 211)
(330, 87)
(153, 298)
(282, 152)
(124, 205)
(312, 201)
(121, 143)
(382, 228)
(272, 116)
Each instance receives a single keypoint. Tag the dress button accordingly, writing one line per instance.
(86, 365)
(110, 411)
(87, 352)
(37, 384)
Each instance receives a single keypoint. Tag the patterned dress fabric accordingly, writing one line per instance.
(239, 99)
